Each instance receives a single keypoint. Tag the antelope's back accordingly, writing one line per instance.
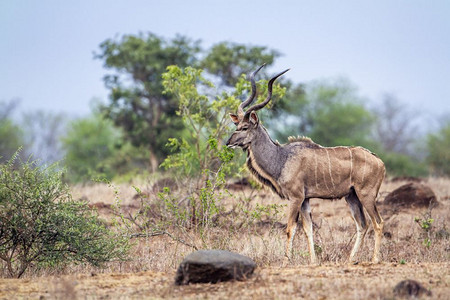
(330, 172)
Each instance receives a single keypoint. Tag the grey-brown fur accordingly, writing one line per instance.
(302, 169)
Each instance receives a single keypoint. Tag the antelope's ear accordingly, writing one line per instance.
(234, 118)
(254, 118)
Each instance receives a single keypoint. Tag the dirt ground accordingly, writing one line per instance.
(308, 282)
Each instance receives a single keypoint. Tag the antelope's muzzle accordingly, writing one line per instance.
(230, 143)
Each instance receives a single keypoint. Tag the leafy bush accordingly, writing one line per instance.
(41, 225)
(204, 156)
(199, 156)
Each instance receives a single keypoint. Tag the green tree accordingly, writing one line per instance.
(95, 148)
(229, 60)
(42, 226)
(438, 145)
(137, 102)
(330, 112)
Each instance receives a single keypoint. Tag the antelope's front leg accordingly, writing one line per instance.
(291, 228)
(307, 224)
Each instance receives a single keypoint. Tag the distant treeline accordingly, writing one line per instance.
(130, 132)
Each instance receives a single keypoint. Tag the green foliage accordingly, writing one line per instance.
(260, 213)
(42, 226)
(336, 115)
(402, 165)
(438, 145)
(330, 112)
(205, 120)
(137, 102)
(176, 214)
(201, 156)
(229, 60)
(95, 148)
(425, 224)
(89, 144)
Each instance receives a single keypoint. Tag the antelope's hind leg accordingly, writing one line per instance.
(378, 225)
(358, 216)
(368, 201)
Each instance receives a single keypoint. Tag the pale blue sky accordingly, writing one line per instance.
(399, 47)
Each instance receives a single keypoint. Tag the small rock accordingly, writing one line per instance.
(410, 289)
(411, 195)
(212, 266)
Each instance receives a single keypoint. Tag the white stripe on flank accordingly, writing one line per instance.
(324, 177)
(351, 164)
(329, 168)
(364, 169)
(315, 171)
(338, 174)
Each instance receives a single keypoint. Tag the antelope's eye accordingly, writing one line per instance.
(244, 128)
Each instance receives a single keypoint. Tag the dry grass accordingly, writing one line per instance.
(264, 241)
(150, 271)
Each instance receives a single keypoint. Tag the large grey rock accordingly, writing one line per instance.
(410, 289)
(412, 195)
(214, 266)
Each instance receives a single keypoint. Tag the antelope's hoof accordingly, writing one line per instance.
(286, 261)
(375, 260)
(314, 263)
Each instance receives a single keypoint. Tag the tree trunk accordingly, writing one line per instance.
(154, 164)
(155, 107)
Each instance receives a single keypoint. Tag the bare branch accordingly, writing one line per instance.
(158, 233)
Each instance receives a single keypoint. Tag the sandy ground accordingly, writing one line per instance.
(309, 282)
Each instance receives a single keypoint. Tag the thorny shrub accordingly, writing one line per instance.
(42, 226)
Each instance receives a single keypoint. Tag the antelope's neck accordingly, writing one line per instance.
(266, 160)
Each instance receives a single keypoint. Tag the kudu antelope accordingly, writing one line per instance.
(302, 169)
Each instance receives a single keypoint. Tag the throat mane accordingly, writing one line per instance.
(261, 175)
